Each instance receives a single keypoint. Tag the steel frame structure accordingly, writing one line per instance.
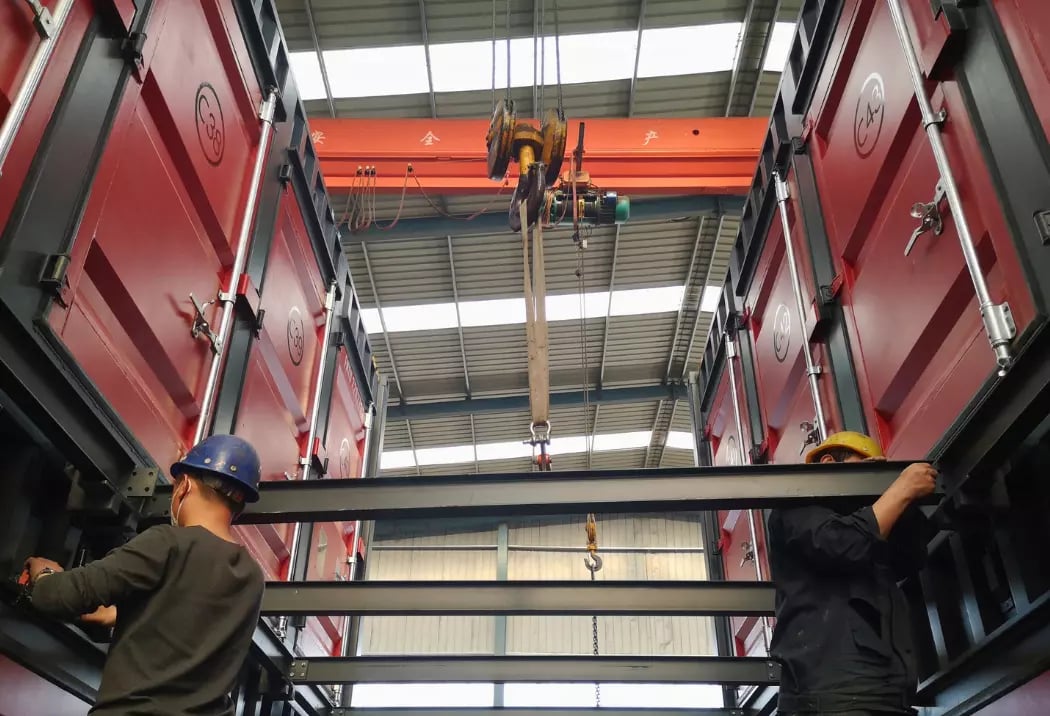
(986, 601)
(518, 598)
(535, 669)
(612, 491)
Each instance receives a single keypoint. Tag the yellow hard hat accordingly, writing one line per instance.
(857, 442)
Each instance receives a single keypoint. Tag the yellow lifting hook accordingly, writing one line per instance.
(593, 562)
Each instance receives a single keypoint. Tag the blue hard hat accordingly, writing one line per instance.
(226, 456)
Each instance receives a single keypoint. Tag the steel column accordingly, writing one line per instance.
(518, 598)
(535, 669)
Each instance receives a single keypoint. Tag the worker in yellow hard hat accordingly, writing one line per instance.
(843, 634)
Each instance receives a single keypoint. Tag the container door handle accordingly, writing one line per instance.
(929, 216)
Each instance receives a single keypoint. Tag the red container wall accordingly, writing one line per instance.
(1027, 27)
(733, 524)
(19, 41)
(163, 214)
(1028, 700)
(917, 339)
(780, 368)
(24, 692)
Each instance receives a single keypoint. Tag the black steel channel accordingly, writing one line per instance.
(833, 332)
(53, 651)
(37, 374)
(536, 669)
(518, 598)
(1016, 151)
(538, 711)
(274, 657)
(638, 491)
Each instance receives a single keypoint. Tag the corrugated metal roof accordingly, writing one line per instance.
(639, 350)
(341, 24)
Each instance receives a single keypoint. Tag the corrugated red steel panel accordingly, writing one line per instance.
(173, 176)
(1027, 27)
(23, 692)
(780, 366)
(733, 524)
(19, 42)
(1028, 700)
(920, 350)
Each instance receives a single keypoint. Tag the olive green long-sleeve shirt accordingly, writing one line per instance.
(187, 604)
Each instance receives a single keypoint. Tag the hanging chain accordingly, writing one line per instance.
(594, 565)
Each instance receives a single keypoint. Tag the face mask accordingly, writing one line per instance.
(174, 511)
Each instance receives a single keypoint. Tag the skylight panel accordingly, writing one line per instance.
(710, 299)
(495, 312)
(566, 306)
(377, 71)
(466, 66)
(307, 71)
(503, 450)
(695, 49)
(779, 47)
(634, 302)
(396, 460)
(445, 455)
(590, 57)
(370, 317)
(423, 317)
(420, 695)
(680, 440)
(622, 441)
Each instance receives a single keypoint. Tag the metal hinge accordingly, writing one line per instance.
(132, 46)
(42, 20)
(1042, 223)
(53, 277)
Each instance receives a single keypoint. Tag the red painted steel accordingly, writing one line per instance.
(160, 223)
(1027, 27)
(23, 692)
(917, 340)
(1027, 700)
(163, 183)
(19, 40)
(733, 524)
(636, 156)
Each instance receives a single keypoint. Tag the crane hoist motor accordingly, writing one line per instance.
(594, 207)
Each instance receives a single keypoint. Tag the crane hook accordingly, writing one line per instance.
(595, 565)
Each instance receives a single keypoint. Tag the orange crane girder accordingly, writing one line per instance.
(630, 156)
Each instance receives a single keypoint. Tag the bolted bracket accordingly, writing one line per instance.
(297, 671)
(1042, 224)
(53, 278)
(141, 483)
(43, 21)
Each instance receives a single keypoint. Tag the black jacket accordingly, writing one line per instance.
(843, 632)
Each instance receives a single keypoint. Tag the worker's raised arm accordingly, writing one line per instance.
(826, 539)
(138, 566)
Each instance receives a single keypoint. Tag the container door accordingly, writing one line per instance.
(1027, 27)
(173, 178)
(779, 341)
(918, 344)
(275, 403)
(738, 553)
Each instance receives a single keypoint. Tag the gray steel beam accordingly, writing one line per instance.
(637, 58)
(558, 493)
(495, 222)
(308, 7)
(541, 711)
(518, 598)
(425, 32)
(477, 406)
(535, 669)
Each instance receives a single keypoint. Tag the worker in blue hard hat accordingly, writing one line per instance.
(843, 632)
(184, 598)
